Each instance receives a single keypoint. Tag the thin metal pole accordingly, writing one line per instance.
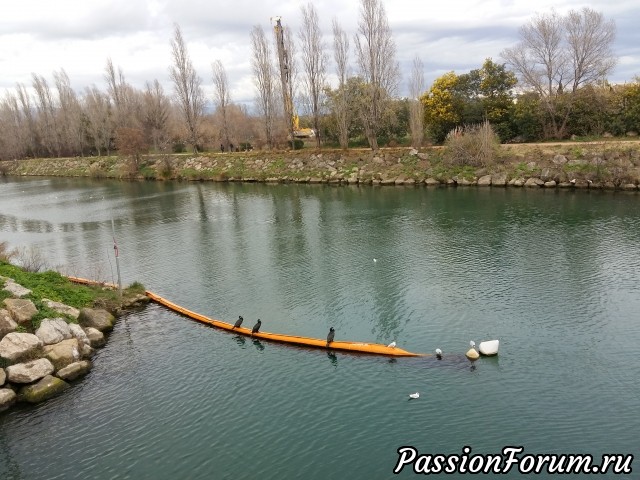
(115, 251)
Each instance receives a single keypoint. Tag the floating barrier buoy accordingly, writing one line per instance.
(472, 354)
(489, 348)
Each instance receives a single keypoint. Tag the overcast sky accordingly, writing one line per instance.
(42, 36)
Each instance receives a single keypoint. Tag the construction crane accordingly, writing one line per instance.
(285, 78)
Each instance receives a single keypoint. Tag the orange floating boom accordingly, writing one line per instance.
(359, 347)
(371, 348)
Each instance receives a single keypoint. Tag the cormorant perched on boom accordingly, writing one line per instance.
(332, 334)
(256, 327)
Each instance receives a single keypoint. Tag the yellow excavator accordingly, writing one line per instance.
(285, 77)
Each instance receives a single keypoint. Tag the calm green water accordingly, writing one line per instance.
(555, 275)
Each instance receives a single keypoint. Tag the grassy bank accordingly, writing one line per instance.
(53, 286)
(611, 162)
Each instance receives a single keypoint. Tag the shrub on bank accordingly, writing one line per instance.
(472, 145)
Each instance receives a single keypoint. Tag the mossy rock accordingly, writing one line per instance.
(46, 388)
(98, 318)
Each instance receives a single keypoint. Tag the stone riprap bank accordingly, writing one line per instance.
(37, 365)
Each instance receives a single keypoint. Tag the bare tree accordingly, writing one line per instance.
(70, 114)
(314, 59)
(416, 107)
(376, 52)
(126, 105)
(155, 113)
(263, 76)
(27, 111)
(590, 38)
(221, 97)
(558, 55)
(187, 88)
(14, 131)
(99, 116)
(131, 143)
(49, 126)
(340, 101)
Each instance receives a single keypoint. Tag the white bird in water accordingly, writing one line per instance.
(473, 344)
(414, 395)
(375, 260)
(392, 345)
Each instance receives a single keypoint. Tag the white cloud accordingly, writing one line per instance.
(79, 35)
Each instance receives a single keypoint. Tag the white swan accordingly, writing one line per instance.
(414, 395)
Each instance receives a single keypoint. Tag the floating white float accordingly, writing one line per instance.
(489, 347)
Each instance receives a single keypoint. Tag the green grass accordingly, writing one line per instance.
(50, 285)
(193, 174)
(46, 312)
(523, 170)
(581, 168)
(277, 166)
(577, 152)
(148, 173)
(3, 295)
(58, 288)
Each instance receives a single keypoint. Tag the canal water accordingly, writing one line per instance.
(553, 274)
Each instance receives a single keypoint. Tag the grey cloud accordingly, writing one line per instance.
(118, 18)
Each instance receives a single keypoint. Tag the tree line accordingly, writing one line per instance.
(551, 85)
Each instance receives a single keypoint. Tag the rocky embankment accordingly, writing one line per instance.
(37, 364)
(614, 165)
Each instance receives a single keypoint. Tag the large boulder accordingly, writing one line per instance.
(86, 351)
(484, 181)
(53, 330)
(22, 311)
(499, 180)
(533, 182)
(3, 377)
(136, 301)
(74, 370)
(63, 353)
(29, 372)
(7, 324)
(96, 337)
(77, 332)
(96, 318)
(15, 346)
(15, 289)
(46, 388)
(7, 398)
(62, 308)
(559, 160)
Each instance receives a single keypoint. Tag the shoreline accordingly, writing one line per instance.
(595, 165)
(47, 344)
